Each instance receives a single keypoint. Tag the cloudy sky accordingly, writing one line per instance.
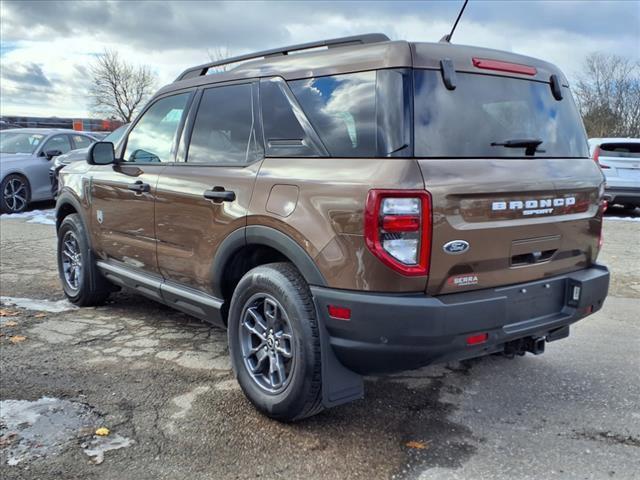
(46, 46)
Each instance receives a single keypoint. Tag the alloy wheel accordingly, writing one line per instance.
(71, 260)
(266, 341)
(15, 195)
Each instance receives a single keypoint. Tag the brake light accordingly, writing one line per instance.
(398, 229)
(596, 158)
(339, 313)
(499, 66)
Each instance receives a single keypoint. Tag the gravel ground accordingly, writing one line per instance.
(160, 382)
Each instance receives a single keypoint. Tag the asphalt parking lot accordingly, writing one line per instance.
(160, 382)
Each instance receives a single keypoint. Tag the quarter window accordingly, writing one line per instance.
(224, 129)
(153, 138)
(342, 109)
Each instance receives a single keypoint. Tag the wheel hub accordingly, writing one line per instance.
(15, 195)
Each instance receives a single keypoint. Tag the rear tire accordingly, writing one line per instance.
(272, 314)
(81, 281)
(15, 194)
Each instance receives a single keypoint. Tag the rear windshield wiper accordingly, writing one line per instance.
(530, 144)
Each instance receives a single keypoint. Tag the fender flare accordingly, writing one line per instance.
(269, 237)
(67, 198)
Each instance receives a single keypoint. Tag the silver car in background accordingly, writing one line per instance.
(25, 156)
(79, 155)
(619, 159)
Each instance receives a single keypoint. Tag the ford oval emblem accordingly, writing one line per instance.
(456, 247)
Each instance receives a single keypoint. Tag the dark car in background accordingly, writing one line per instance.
(80, 154)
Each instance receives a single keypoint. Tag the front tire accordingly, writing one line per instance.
(274, 342)
(81, 281)
(14, 194)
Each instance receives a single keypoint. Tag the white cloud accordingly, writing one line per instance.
(63, 60)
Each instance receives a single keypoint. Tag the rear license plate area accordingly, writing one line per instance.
(536, 300)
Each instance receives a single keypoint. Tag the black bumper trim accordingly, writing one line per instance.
(391, 332)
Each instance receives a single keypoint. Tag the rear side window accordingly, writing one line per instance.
(342, 109)
(80, 141)
(224, 129)
(486, 109)
(153, 138)
(624, 150)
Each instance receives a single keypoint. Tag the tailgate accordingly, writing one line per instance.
(620, 162)
(522, 219)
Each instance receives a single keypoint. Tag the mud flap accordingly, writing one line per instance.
(339, 384)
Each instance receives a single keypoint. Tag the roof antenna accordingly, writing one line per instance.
(447, 38)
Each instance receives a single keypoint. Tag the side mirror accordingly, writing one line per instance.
(101, 153)
(52, 153)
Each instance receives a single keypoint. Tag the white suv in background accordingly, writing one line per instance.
(619, 159)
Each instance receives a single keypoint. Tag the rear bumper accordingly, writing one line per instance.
(623, 195)
(390, 332)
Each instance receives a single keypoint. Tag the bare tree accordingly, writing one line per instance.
(119, 88)
(217, 54)
(608, 93)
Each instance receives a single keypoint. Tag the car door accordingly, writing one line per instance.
(39, 174)
(123, 194)
(203, 199)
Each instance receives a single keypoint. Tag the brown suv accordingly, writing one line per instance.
(365, 207)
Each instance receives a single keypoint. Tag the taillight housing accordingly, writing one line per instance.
(596, 158)
(398, 229)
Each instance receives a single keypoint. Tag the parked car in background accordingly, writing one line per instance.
(25, 156)
(619, 159)
(79, 154)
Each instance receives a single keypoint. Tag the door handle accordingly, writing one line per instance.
(219, 194)
(139, 186)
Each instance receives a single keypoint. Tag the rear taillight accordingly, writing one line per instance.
(398, 229)
(596, 158)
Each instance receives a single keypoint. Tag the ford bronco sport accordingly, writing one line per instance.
(365, 207)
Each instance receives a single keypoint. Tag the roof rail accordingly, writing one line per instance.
(334, 42)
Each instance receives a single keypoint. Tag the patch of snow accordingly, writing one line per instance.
(99, 445)
(39, 305)
(44, 217)
(41, 428)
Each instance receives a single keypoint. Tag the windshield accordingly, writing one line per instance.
(115, 136)
(19, 142)
(485, 110)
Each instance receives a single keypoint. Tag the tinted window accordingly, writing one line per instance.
(485, 109)
(80, 141)
(153, 137)
(624, 150)
(59, 142)
(224, 128)
(283, 133)
(342, 109)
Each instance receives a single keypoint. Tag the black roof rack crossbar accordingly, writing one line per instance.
(334, 42)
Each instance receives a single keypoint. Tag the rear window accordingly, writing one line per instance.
(486, 109)
(625, 150)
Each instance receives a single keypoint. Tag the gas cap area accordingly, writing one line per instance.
(282, 200)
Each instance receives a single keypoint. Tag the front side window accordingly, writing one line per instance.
(59, 143)
(485, 112)
(153, 138)
(224, 128)
(342, 109)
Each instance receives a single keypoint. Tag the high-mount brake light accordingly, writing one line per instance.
(488, 64)
(398, 229)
